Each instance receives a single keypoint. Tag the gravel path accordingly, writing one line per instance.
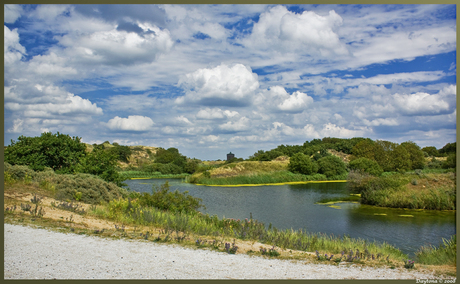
(41, 254)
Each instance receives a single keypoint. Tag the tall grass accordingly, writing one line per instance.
(148, 175)
(262, 178)
(80, 187)
(132, 212)
(446, 253)
(412, 191)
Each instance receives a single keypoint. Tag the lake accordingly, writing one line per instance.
(294, 206)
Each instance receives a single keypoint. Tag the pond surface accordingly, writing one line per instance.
(294, 206)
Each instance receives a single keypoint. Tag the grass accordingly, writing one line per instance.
(417, 190)
(148, 175)
(279, 177)
(446, 253)
(199, 230)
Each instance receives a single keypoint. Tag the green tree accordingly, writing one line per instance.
(302, 164)
(331, 166)
(57, 151)
(431, 151)
(449, 148)
(364, 149)
(401, 159)
(100, 163)
(366, 165)
(451, 162)
(416, 155)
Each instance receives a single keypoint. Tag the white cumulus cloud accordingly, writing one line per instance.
(308, 32)
(220, 86)
(131, 123)
(118, 47)
(13, 50)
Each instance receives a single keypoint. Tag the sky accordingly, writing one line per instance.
(214, 79)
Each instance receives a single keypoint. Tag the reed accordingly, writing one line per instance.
(446, 253)
(262, 178)
(248, 229)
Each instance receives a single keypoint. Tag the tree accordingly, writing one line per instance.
(331, 166)
(401, 159)
(416, 155)
(449, 148)
(58, 151)
(302, 164)
(431, 151)
(366, 165)
(100, 163)
(451, 162)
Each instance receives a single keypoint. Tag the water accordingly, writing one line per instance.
(293, 206)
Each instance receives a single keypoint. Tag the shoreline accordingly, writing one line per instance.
(56, 255)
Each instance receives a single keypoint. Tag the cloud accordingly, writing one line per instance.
(308, 32)
(215, 113)
(118, 47)
(421, 104)
(49, 101)
(132, 123)
(13, 50)
(220, 86)
(241, 124)
(277, 99)
(12, 12)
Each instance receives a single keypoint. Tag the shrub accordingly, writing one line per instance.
(366, 165)
(451, 162)
(331, 166)
(302, 164)
(88, 188)
(57, 151)
(164, 199)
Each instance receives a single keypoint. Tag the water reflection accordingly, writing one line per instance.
(294, 206)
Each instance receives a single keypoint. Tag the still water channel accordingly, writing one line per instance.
(294, 206)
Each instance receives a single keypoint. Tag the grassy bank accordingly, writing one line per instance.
(418, 190)
(172, 217)
(255, 173)
(148, 175)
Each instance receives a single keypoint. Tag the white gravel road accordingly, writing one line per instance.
(31, 253)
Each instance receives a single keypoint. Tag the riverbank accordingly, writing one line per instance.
(54, 255)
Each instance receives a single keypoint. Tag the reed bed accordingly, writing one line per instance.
(446, 253)
(263, 178)
(250, 229)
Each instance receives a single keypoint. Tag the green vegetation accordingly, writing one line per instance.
(366, 165)
(59, 152)
(446, 253)
(411, 190)
(302, 164)
(63, 154)
(177, 215)
(73, 187)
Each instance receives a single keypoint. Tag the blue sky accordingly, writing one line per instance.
(210, 79)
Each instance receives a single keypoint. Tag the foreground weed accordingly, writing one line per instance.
(409, 264)
(231, 249)
(69, 206)
(270, 252)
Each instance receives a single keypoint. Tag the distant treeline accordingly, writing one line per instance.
(389, 156)
(65, 154)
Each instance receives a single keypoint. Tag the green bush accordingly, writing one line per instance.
(366, 165)
(18, 172)
(164, 199)
(451, 162)
(58, 151)
(331, 166)
(102, 164)
(88, 188)
(302, 164)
